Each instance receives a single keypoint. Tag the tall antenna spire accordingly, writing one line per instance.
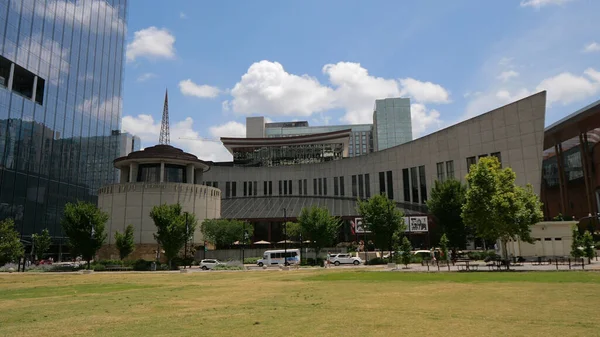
(165, 137)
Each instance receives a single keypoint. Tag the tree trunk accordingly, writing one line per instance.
(88, 264)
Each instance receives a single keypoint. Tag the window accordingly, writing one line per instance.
(367, 186)
(381, 182)
(482, 155)
(255, 189)
(245, 188)
(324, 186)
(249, 188)
(406, 184)
(414, 184)
(361, 188)
(423, 182)
(320, 186)
(305, 188)
(440, 171)
(174, 174)
(290, 187)
(149, 173)
(270, 188)
(300, 187)
(264, 188)
(280, 188)
(23, 81)
(227, 189)
(342, 187)
(233, 189)
(470, 161)
(450, 169)
(315, 186)
(215, 183)
(497, 155)
(390, 185)
(335, 186)
(4, 71)
(354, 190)
(39, 91)
(285, 186)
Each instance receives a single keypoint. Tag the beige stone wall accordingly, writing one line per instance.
(130, 203)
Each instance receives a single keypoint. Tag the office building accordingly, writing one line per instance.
(392, 124)
(61, 65)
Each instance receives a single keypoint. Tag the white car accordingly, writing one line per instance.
(210, 264)
(338, 259)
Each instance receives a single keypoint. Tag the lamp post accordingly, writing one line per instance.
(92, 233)
(284, 237)
(187, 236)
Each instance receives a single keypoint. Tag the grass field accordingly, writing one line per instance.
(301, 303)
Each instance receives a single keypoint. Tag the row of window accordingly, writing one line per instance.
(415, 184)
(473, 160)
(320, 186)
(445, 170)
(361, 183)
(21, 81)
(386, 184)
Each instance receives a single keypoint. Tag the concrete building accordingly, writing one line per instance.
(514, 133)
(154, 176)
(553, 238)
(392, 123)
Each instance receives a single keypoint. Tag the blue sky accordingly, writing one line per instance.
(327, 61)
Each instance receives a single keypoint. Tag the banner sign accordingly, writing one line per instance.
(361, 226)
(414, 224)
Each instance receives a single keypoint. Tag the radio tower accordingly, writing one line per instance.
(165, 138)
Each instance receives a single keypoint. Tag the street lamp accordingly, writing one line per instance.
(187, 237)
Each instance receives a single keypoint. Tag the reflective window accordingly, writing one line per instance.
(149, 173)
(176, 174)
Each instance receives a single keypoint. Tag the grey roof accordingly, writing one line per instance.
(572, 115)
(262, 208)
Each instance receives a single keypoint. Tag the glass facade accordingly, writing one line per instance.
(60, 102)
(392, 122)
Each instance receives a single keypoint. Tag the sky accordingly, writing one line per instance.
(328, 61)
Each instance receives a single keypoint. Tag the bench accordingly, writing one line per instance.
(117, 268)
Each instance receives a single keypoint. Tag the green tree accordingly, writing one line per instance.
(495, 207)
(444, 246)
(11, 248)
(445, 204)
(172, 229)
(406, 250)
(382, 218)
(318, 226)
(576, 242)
(41, 243)
(125, 242)
(587, 241)
(84, 225)
(294, 230)
(224, 232)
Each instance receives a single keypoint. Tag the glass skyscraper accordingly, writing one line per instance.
(61, 63)
(392, 124)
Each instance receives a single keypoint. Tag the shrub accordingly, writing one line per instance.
(109, 263)
(378, 260)
(142, 265)
(227, 267)
(99, 267)
(64, 268)
(311, 262)
(251, 260)
(8, 266)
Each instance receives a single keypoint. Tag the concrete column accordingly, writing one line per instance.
(11, 76)
(162, 172)
(198, 175)
(125, 174)
(189, 174)
(33, 92)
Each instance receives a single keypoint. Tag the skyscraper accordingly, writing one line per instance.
(61, 64)
(392, 124)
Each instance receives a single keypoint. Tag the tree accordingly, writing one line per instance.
(125, 242)
(41, 243)
(576, 243)
(318, 226)
(224, 232)
(587, 241)
(406, 249)
(445, 204)
(84, 225)
(444, 246)
(172, 229)
(11, 248)
(293, 229)
(383, 219)
(495, 207)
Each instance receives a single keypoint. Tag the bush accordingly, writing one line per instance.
(251, 260)
(66, 268)
(142, 265)
(109, 263)
(311, 262)
(99, 267)
(378, 260)
(227, 267)
(8, 266)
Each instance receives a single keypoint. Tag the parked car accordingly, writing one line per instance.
(210, 264)
(338, 259)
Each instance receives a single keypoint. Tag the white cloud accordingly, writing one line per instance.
(425, 92)
(151, 43)
(84, 12)
(190, 88)
(566, 88)
(146, 76)
(505, 61)
(182, 15)
(542, 3)
(182, 136)
(485, 102)
(424, 121)
(229, 129)
(102, 109)
(592, 47)
(507, 75)
(268, 89)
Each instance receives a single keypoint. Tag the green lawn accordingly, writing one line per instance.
(300, 303)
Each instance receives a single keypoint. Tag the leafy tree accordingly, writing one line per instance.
(383, 219)
(445, 204)
(444, 246)
(587, 241)
(11, 248)
(293, 229)
(495, 207)
(318, 226)
(406, 249)
(125, 242)
(84, 225)
(224, 232)
(576, 242)
(41, 242)
(172, 231)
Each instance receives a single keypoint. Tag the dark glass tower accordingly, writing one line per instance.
(61, 63)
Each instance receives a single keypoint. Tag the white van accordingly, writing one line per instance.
(276, 257)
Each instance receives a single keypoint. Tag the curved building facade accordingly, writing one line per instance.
(514, 133)
(154, 176)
